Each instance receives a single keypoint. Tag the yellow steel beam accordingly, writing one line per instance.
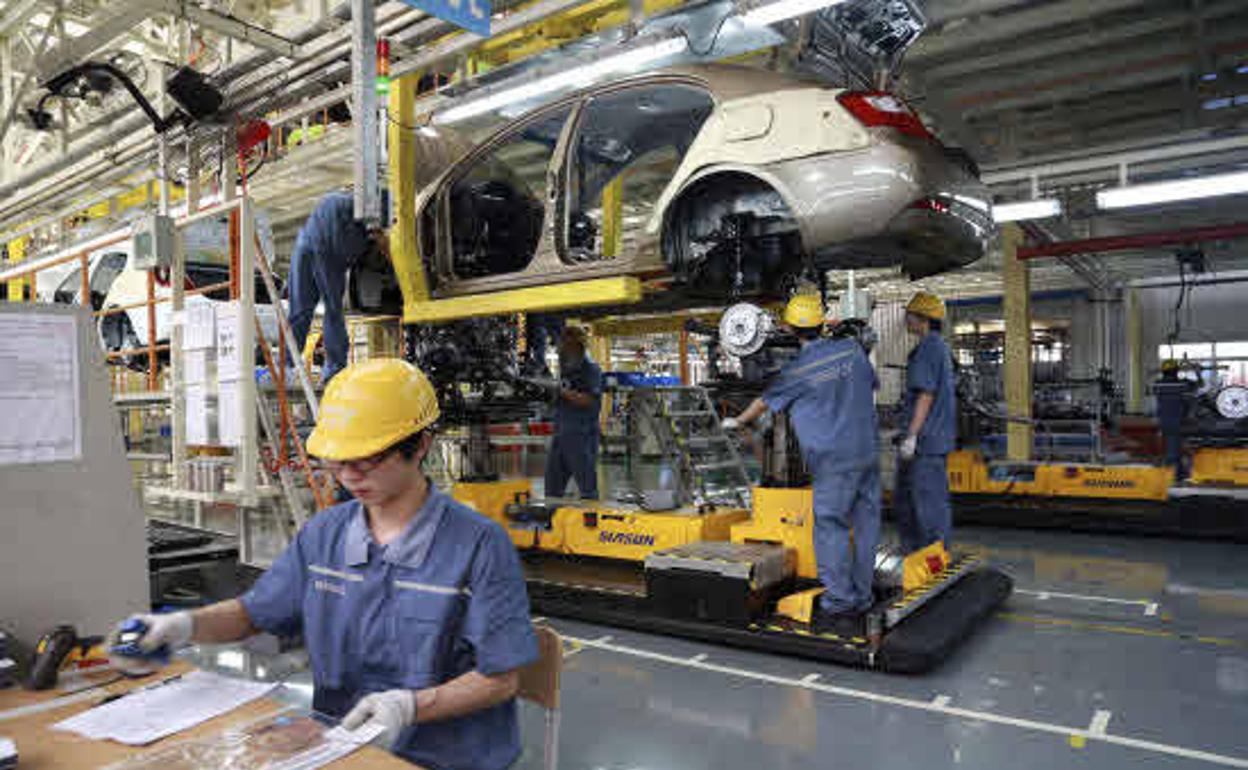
(409, 269)
(1017, 285)
(612, 216)
(563, 296)
(17, 253)
(636, 327)
(1135, 352)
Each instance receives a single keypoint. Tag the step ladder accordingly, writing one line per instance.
(709, 467)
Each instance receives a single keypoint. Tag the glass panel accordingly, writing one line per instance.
(69, 289)
(498, 204)
(627, 149)
(106, 272)
(1232, 350)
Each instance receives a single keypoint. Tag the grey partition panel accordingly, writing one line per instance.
(73, 546)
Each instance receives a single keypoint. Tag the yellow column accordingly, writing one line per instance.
(17, 253)
(612, 216)
(1135, 352)
(404, 249)
(1018, 391)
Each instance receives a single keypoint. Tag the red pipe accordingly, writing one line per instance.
(1143, 241)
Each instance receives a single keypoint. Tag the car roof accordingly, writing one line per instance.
(725, 81)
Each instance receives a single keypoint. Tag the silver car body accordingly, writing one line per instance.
(857, 196)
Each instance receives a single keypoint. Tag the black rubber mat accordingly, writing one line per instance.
(915, 645)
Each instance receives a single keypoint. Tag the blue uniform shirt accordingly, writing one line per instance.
(333, 233)
(573, 420)
(447, 597)
(829, 393)
(930, 370)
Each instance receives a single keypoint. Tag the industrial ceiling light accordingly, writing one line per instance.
(1172, 191)
(784, 9)
(1042, 208)
(573, 77)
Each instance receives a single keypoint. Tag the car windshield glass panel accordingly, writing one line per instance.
(106, 272)
(70, 288)
(627, 149)
(498, 203)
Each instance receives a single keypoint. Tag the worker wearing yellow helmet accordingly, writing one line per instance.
(929, 421)
(412, 606)
(828, 392)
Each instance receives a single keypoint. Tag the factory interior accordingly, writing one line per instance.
(623, 384)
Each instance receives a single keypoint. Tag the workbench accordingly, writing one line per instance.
(41, 748)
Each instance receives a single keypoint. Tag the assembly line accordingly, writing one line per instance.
(602, 384)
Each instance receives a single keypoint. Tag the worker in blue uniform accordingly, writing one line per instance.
(829, 394)
(929, 419)
(329, 244)
(412, 606)
(1174, 398)
(573, 452)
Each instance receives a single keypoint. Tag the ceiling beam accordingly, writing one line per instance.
(1014, 27)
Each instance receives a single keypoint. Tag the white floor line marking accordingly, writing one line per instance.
(600, 640)
(918, 705)
(537, 618)
(1150, 610)
(1043, 595)
(701, 656)
(810, 678)
(940, 701)
(1100, 722)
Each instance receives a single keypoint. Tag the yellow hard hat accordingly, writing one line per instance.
(1169, 365)
(926, 304)
(371, 406)
(805, 311)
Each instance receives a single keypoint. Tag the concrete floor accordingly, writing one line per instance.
(1113, 652)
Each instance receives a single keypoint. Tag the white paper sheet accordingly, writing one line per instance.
(198, 426)
(150, 714)
(39, 361)
(201, 324)
(229, 357)
(228, 417)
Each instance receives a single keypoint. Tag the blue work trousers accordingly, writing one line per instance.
(921, 502)
(845, 500)
(573, 455)
(319, 278)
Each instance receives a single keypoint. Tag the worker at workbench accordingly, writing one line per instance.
(574, 451)
(929, 419)
(829, 393)
(329, 244)
(412, 606)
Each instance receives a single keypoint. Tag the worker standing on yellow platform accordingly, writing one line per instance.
(573, 453)
(412, 606)
(829, 393)
(921, 502)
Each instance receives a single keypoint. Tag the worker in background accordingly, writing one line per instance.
(1174, 397)
(574, 451)
(412, 606)
(329, 244)
(929, 419)
(829, 393)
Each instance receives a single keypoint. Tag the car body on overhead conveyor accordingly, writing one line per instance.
(726, 180)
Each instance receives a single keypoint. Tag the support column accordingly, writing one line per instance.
(1018, 391)
(248, 440)
(612, 217)
(403, 156)
(364, 109)
(177, 338)
(1135, 353)
(683, 347)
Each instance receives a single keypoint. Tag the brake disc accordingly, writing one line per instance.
(743, 329)
(1232, 402)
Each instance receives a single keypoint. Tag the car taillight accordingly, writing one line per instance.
(879, 108)
(931, 204)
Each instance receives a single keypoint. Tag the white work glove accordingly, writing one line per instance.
(730, 423)
(908, 447)
(173, 629)
(393, 710)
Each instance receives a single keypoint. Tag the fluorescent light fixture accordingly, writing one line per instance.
(573, 77)
(1042, 208)
(784, 9)
(1176, 190)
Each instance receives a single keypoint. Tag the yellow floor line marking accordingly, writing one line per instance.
(1109, 628)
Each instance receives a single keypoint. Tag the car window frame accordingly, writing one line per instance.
(573, 130)
(441, 198)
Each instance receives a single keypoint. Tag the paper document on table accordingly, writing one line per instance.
(291, 740)
(149, 714)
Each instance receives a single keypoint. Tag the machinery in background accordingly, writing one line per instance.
(1129, 497)
(692, 560)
